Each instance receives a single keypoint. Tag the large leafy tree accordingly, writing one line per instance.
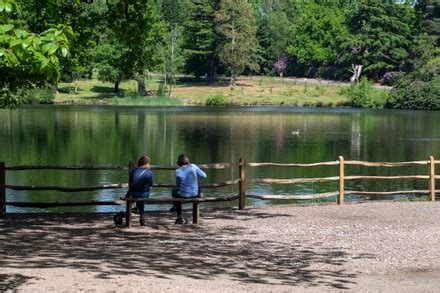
(381, 34)
(236, 24)
(84, 16)
(428, 12)
(314, 33)
(201, 39)
(28, 59)
(274, 20)
(420, 88)
(135, 27)
(174, 12)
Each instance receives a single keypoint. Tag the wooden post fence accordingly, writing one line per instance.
(241, 191)
(129, 203)
(432, 178)
(241, 197)
(341, 181)
(2, 190)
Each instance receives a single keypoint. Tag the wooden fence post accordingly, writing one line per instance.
(128, 209)
(431, 178)
(241, 191)
(341, 181)
(2, 190)
(196, 213)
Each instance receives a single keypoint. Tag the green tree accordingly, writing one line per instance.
(274, 20)
(420, 87)
(428, 12)
(85, 18)
(236, 24)
(314, 33)
(201, 39)
(28, 59)
(381, 34)
(135, 26)
(174, 13)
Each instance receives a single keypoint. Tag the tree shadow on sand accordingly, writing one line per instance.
(91, 243)
(12, 282)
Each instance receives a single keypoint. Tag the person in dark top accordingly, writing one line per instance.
(188, 177)
(140, 182)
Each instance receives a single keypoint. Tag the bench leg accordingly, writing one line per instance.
(196, 213)
(128, 211)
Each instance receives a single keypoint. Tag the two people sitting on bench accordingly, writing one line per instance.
(140, 182)
(188, 178)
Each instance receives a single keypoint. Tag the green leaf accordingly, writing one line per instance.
(8, 7)
(2, 6)
(21, 33)
(53, 48)
(49, 48)
(15, 43)
(4, 28)
(28, 41)
(13, 60)
(44, 62)
(64, 52)
(5, 38)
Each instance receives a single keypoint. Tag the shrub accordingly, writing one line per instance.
(161, 90)
(391, 77)
(364, 95)
(416, 94)
(43, 95)
(217, 100)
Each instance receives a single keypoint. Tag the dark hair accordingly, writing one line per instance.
(182, 160)
(143, 161)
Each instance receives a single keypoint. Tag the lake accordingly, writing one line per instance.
(77, 135)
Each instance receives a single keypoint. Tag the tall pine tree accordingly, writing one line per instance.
(201, 39)
(236, 24)
(381, 34)
(428, 12)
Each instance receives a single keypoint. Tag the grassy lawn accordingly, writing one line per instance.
(256, 91)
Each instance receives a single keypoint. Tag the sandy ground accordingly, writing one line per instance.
(381, 246)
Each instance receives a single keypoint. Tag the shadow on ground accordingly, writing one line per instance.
(92, 244)
(12, 282)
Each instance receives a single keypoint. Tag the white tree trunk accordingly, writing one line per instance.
(356, 70)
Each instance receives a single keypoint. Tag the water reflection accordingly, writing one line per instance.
(106, 135)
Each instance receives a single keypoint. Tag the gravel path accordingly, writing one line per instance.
(380, 246)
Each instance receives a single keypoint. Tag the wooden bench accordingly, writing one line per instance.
(170, 200)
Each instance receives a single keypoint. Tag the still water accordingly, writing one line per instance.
(116, 135)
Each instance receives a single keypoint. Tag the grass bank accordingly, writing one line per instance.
(252, 91)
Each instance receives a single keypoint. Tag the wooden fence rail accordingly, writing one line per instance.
(108, 186)
(431, 177)
(216, 166)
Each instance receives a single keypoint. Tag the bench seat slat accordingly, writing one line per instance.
(170, 200)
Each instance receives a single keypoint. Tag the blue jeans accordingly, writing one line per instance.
(140, 204)
(178, 205)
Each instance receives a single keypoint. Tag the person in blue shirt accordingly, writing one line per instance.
(188, 177)
(140, 182)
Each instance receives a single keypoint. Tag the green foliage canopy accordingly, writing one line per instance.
(236, 25)
(28, 59)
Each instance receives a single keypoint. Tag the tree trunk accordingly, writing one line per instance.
(211, 70)
(141, 87)
(55, 88)
(356, 70)
(232, 81)
(170, 88)
(117, 82)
